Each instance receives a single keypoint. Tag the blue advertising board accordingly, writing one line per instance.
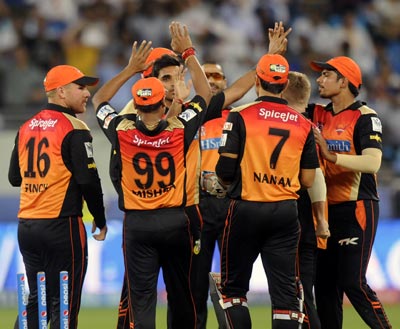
(106, 268)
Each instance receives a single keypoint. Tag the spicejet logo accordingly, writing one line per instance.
(280, 116)
(40, 124)
(154, 143)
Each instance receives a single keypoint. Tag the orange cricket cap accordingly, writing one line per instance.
(273, 68)
(148, 91)
(344, 65)
(155, 54)
(62, 75)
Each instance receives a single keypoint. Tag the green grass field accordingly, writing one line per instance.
(105, 318)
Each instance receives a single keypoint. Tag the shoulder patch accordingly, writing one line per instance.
(223, 139)
(104, 111)
(376, 124)
(228, 126)
(89, 149)
(108, 120)
(187, 115)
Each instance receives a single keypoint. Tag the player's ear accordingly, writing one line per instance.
(344, 82)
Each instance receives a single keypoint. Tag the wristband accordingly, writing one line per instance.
(188, 52)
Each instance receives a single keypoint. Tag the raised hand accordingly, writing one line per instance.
(278, 39)
(182, 89)
(180, 38)
(137, 60)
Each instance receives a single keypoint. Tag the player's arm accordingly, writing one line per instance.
(136, 64)
(309, 161)
(14, 174)
(307, 177)
(317, 194)
(368, 162)
(182, 43)
(84, 171)
(230, 148)
(226, 168)
(181, 92)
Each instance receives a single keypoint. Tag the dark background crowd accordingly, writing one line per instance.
(97, 35)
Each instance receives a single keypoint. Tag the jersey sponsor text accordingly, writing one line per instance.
(278, 115)
(157, 143)
(338, 145)
(42, 124)
(210, 143)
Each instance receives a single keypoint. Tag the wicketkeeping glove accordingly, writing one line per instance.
(210, 183)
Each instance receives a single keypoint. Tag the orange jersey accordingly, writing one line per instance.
(349, 132)
(211, 133)
(152, 166)
(51, 146)
(273, 143)
(192, 163)
(148, 168)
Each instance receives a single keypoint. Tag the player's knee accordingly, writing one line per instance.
(233, 301)
(287, 318)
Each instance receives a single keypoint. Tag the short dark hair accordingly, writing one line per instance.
(164, 61)
(353, 89)
(149, 108)
(273, 88)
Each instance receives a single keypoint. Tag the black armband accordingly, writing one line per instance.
(225, 169)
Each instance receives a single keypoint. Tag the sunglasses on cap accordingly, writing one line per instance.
(215, 75)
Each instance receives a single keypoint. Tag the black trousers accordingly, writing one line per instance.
(270, 230)
(343, 265)
(307, 259)
(153, 240)
(214, 211)
(51, 246)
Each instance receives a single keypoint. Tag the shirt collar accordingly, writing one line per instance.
(59, 108)
(272, 99)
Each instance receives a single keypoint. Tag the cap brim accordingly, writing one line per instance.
(319, 66)
(87, 81)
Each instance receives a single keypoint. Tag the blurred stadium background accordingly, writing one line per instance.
(96, 36)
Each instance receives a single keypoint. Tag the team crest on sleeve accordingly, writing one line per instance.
(228, 126)
(108, 120)
(104, 111)
(89, 149)
(187, 115)
(376, 124)
(223, 140)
